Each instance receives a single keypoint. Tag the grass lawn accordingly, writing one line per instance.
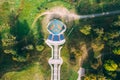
(30, 72)
(30, 8)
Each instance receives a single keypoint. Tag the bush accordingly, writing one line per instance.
(116, 51)
(39, 47)
(110, 65)
(86, 29)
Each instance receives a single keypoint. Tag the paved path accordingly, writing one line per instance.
(54, 41)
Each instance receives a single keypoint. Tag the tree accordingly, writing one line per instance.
(116, 51)
(110, 65)
(8, 42)
(117, 23)
(39, 47)
(85, 29)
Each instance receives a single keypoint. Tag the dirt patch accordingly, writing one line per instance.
(55, 13)
(60, 13)
(84, 54)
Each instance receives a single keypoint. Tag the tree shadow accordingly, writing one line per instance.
(40, 38)
(20, 31)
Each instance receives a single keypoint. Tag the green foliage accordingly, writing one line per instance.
(112, 74)
(116, 51)
(94, 77)
(117, 23)
(6, 6)
(85, 29)
(8, 42)
(19, 58)
(39, 47)
(99, 31)
(10, 51)
(29, 72)
(97, 6)
(110, 65)
(29, 47)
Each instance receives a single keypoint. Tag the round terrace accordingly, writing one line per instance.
(56, 29)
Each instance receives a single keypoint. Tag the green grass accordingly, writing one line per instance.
(73, 75)
(30, 72)
(30, 8)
